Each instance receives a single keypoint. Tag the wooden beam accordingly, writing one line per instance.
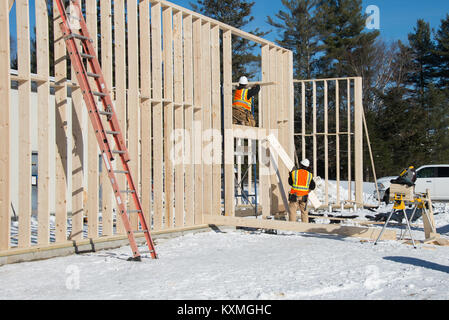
(107, 68)
(120, 85)
(338, 230)
(314, 129)
(337, 137)
(283, 116)
(207, 118)
(264, 123)
(156, 48)
(78, 165)
(291, 95)
(93, 197)
(227, 122)
(348, 97)
(274, 126)
(216, 121)
(322, 80)
(260, 83)
(167, 20)
(43, 93)
(24, 91)
(145, 112)
(178, 154)
(198, 117)
(188, 120)
(326, 144)
(303, 119)
(223, 26)
(61, 131)
(239, 143)
(358, 140)
(5, 129)
(133, 102)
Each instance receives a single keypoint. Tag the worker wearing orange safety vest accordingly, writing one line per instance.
(302, 183)
(243, 102)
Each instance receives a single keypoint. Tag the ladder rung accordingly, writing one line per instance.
(118, 151)
(99, 94)
(127, 191)
(121, 171)
(87, 56)
(112, 132)
(142, 231)
(77, 36)
(94, 75)
(134, 211)
(105, 113)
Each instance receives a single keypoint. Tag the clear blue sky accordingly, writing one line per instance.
(397, 17)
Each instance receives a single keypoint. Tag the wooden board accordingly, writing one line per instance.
(358, 140)
(206, 105)
(24, 91)
(337, 139)
(107, 68)
(156, 49)
(167, 22)
(344, 231)
(61, 132)
(120, 85)
(264, 122)
(43, 92)
(93, 197)
(227, 123)
(188, 120)
(5, 130)
(197, 118)
(145, 113)
(133, 103)
(78, 165)
(216, 121)
(178, 154)
(349, 119)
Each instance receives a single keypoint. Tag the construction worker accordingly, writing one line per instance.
(243, 103)
(302, 183)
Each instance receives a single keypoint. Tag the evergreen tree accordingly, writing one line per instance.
(236, 13)
(341, 24)
(442, 53)
(423, 58)
(299, 34)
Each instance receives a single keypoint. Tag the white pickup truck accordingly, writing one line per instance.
(432, 177)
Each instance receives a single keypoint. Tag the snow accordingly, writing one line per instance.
(241, 265)
(246, 265)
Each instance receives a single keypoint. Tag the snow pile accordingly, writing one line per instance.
(320, 190)
(239, 265)
(247, 265)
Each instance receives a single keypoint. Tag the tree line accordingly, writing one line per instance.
(405, 85)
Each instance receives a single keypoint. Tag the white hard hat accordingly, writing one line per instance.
(305, 163)
(243, 80)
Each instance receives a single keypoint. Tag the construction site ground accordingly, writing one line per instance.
(246, 264)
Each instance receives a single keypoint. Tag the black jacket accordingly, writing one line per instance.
(251, 92)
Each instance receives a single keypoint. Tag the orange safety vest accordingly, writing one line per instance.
(301, 182)
(241, 99)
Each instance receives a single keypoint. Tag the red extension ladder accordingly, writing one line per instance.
(108, 113)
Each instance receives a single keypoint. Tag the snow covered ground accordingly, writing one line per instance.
(245, 265)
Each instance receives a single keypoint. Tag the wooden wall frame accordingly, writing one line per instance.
(171, 75)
